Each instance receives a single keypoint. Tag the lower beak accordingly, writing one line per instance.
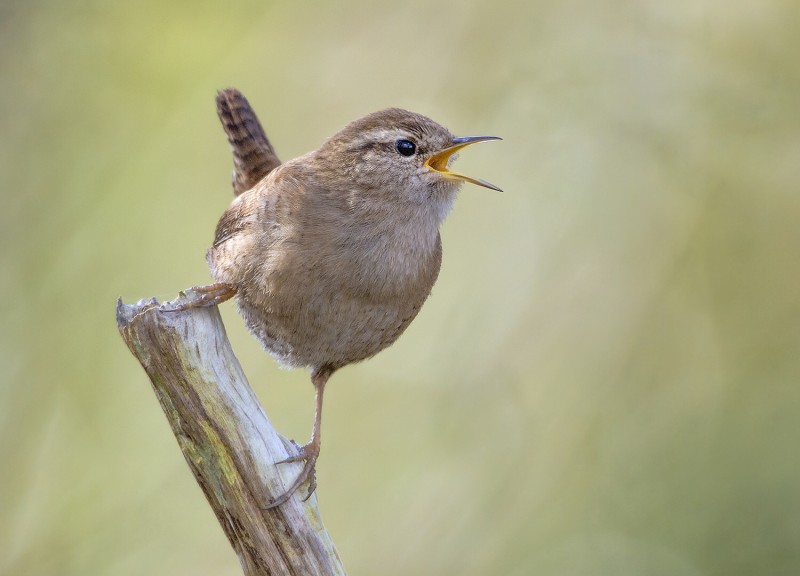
(438, 161)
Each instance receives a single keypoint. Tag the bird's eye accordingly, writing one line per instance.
(405, 147)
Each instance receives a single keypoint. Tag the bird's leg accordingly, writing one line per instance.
(203, 296)
(310, 452)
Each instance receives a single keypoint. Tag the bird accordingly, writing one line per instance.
(331, 255)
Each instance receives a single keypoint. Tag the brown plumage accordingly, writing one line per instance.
(331, 255)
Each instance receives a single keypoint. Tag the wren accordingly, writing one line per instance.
(331, 255)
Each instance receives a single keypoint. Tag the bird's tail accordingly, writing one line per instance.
(253, 155)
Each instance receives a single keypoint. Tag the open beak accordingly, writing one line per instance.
(439, 160)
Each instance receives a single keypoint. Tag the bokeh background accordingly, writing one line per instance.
(605, 380)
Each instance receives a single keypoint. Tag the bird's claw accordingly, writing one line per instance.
(308, 454)
(312, 484)
(200, 297)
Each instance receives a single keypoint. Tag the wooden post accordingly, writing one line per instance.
(227, 439)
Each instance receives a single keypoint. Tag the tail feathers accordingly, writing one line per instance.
(253, 155)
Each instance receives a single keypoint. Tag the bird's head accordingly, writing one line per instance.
(401, 157)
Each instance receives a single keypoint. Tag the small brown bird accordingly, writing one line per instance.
(332, 254)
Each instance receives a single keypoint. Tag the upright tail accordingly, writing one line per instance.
(253, 155)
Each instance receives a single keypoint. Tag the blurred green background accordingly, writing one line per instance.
(605, 380)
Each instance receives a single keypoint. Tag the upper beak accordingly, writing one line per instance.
(439, 160)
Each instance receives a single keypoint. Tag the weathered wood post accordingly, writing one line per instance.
(227, 439)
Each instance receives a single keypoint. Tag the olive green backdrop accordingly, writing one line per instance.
(605, 380)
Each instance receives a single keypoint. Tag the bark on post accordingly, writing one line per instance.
(227, 439)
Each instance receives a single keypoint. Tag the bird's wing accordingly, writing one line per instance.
(237, 218)
(253, 155)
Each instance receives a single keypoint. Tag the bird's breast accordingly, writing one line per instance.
(393, 261)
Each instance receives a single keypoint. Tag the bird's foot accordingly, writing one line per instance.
(308, 454)
(201, 297)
